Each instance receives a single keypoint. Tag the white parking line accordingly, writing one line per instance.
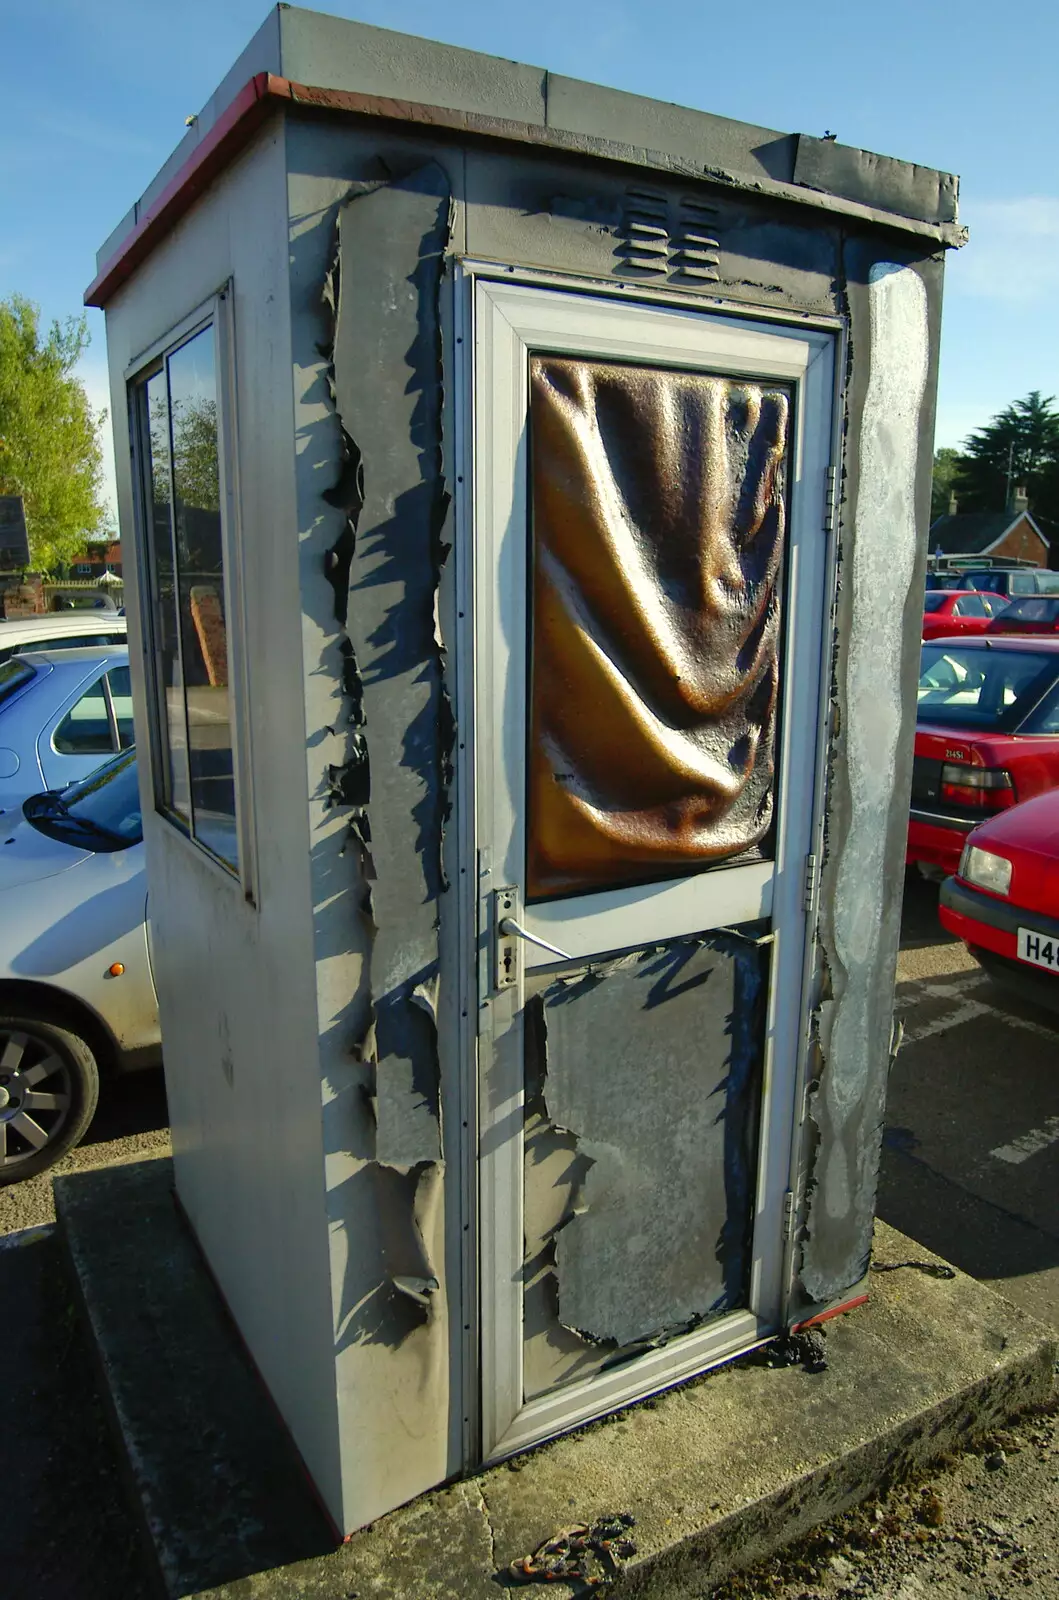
(943, 988)
(948, 1019)
(1030, 1144)
(967, 1012)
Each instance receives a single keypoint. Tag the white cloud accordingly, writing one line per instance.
(1013, 254)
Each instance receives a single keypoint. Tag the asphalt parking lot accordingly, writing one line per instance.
(971, 1149)
(970, 1169)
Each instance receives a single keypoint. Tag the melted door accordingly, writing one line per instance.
(649, 633)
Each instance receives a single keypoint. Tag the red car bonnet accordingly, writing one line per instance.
(1028, 837)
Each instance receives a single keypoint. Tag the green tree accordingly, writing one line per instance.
(50, 452)
(195, 468)
(946, 464)
(1020, 447)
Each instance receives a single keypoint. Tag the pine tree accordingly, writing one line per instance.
(1019, 448)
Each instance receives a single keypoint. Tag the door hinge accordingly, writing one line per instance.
(812, 882)
(789, 1215)
(830, 484)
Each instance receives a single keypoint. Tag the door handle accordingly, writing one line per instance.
(506, 929)
(510, 927)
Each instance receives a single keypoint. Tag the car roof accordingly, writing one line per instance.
(1046, 643)
(81, 655)
(85, 621)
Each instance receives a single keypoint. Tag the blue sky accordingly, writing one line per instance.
(95, 97)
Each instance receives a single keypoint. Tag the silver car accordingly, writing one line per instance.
(76, 989)
(61, 630)
(62, 712)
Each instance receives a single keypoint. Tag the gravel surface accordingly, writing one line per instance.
(131, 1123)
(985, 1526)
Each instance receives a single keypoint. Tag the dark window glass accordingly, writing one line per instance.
(176, 790)
(1045, 719)
(85, 730)
(183, 496)
(14, 675)
(994, 582)
(101, 812)
(974, 688)
(935, 601)
(203, 626)
(1034, 608)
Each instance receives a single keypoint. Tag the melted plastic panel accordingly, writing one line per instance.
(658, 534)
(643, 1088)
(861, 919)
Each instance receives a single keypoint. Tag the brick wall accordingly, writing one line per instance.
(21, 597)
(1023, 542)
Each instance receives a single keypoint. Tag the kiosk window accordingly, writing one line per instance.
(177, 413)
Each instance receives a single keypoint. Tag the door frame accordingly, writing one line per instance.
(807, 356)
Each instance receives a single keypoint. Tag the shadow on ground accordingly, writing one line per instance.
(132, 1104)
(919, 914)
(970, 1167)
(65, 1527)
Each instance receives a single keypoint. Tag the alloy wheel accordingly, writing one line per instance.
(35, 1098)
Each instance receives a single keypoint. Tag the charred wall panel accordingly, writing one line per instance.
(889, 410)
(643, 1092)
(385, 571)
(589, 220)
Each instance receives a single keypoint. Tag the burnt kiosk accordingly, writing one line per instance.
(523, 495)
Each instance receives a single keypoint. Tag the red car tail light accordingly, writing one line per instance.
(985, 788)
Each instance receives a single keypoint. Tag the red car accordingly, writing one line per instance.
(947, 612)
(1033, 613)
(1004, 900)
(987, 736)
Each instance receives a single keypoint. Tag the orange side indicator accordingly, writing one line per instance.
(115, 970)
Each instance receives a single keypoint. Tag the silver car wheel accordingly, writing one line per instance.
(35, 1098)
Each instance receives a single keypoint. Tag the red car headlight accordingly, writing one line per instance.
(984, 870)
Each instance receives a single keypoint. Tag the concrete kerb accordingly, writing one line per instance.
(718, 1473)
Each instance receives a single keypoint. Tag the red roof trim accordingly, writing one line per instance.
(225, 139)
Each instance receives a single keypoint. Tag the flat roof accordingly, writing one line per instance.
(304, 59)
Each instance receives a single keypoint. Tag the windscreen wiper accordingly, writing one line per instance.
(50, 807)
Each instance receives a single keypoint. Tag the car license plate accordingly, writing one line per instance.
(1039, 949)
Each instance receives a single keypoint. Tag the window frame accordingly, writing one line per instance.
(215, 313)
(116, 746)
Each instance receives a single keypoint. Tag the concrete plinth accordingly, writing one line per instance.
(718, 1473)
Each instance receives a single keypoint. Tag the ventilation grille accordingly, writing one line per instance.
(661, 240)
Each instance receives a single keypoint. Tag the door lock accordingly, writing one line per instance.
(505, 950)
(507, 929)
